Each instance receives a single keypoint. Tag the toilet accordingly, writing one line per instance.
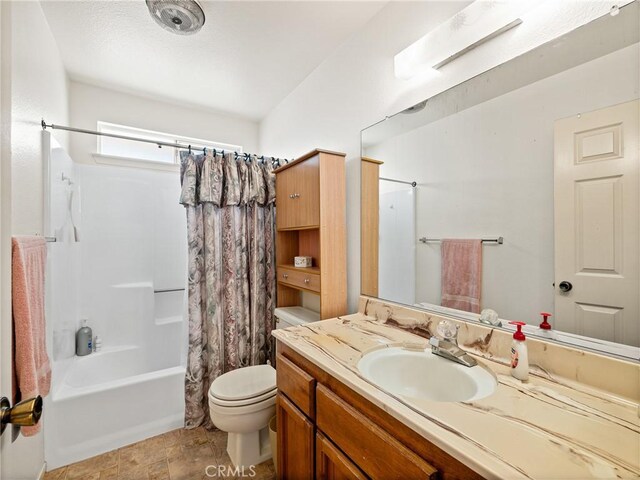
(242, 402)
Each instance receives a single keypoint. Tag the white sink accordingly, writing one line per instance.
(423, 375)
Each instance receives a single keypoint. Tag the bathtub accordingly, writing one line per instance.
(110, 399)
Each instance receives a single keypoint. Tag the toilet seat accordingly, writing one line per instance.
(234, 410)
(240, 403)
(244, 386)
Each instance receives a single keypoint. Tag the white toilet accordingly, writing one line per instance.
(242, 402)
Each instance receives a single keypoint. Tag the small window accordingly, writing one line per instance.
(129, 149)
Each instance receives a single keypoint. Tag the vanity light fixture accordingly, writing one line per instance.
(466, 30)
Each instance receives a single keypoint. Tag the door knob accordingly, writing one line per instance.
(24, 414)
(565, 286)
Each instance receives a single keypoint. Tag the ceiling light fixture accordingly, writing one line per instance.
(184, 17)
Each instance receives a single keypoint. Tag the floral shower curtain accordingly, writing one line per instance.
(230, 205)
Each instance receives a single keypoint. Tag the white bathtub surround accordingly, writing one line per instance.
(127, 278)
(111, 399)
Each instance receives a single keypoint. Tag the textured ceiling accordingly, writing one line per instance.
(245, 60)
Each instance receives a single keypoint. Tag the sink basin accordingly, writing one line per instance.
(423, 375)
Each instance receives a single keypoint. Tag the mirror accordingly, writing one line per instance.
(526, 196)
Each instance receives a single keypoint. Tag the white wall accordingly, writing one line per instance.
(356, 87)
(38, 88)
(499, 180)
(90, 104)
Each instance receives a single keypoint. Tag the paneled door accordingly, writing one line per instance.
(597, 239)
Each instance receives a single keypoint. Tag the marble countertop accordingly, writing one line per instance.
(543, 429)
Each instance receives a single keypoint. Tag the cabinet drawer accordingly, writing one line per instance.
(372, 449)
(297, 385)
(306, 281)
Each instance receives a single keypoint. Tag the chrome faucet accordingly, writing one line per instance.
(445, 344)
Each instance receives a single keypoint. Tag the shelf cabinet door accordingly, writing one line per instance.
(285, 204)
(298, 195)
(307, 193)
(332, 464)
(295, 442)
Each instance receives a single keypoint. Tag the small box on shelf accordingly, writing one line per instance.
(302, 262)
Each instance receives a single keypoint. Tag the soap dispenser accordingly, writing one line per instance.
(84, 338)
(519, 354)
(545, 326)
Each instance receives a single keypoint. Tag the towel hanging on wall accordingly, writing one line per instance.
(31, 367)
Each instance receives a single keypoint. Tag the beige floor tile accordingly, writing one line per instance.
(57, 474)
(177, 455)
(171, 438)
(109, 474)
(193, 463)
(92, 465)
(159, 471)
(137, 473)
(194, 436)
(218, 437)
(141, 454)
(91, 476)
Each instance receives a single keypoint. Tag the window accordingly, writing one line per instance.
(132, 150)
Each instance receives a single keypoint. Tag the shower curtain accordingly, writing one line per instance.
(230, 206)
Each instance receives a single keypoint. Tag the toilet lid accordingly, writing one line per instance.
(244, 383)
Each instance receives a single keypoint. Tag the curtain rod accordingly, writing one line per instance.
(160, 144)
(413, 184)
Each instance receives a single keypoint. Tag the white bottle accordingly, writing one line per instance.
(519, 354)
(97, 344)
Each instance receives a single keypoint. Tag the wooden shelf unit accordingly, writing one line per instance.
(311, 221)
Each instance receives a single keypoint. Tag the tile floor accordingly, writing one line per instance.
(176, 455)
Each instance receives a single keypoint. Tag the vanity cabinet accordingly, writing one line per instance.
(327, 431)
(332, 464)
(296, 435)
(311, 221)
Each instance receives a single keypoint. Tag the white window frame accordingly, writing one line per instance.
(126, 130)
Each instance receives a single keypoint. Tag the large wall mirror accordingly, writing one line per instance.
(518, 191)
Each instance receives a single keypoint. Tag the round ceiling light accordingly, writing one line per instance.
(183, 17)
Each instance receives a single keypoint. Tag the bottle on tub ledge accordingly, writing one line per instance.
(97, 344)
(519, 354)
(84, 340)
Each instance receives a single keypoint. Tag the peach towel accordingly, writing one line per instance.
(31, 362)
(461, 274)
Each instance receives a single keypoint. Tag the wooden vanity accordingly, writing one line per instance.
(328, 431)
(572, 419)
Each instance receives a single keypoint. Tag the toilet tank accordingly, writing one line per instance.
(293, 316)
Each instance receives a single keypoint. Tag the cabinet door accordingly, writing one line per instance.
(306, 201)
(332, 464)
(285, 202)
(295, 442)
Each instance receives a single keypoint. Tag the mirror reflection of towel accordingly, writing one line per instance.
(461, 274)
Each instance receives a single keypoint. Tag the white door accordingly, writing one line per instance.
(597, 242)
